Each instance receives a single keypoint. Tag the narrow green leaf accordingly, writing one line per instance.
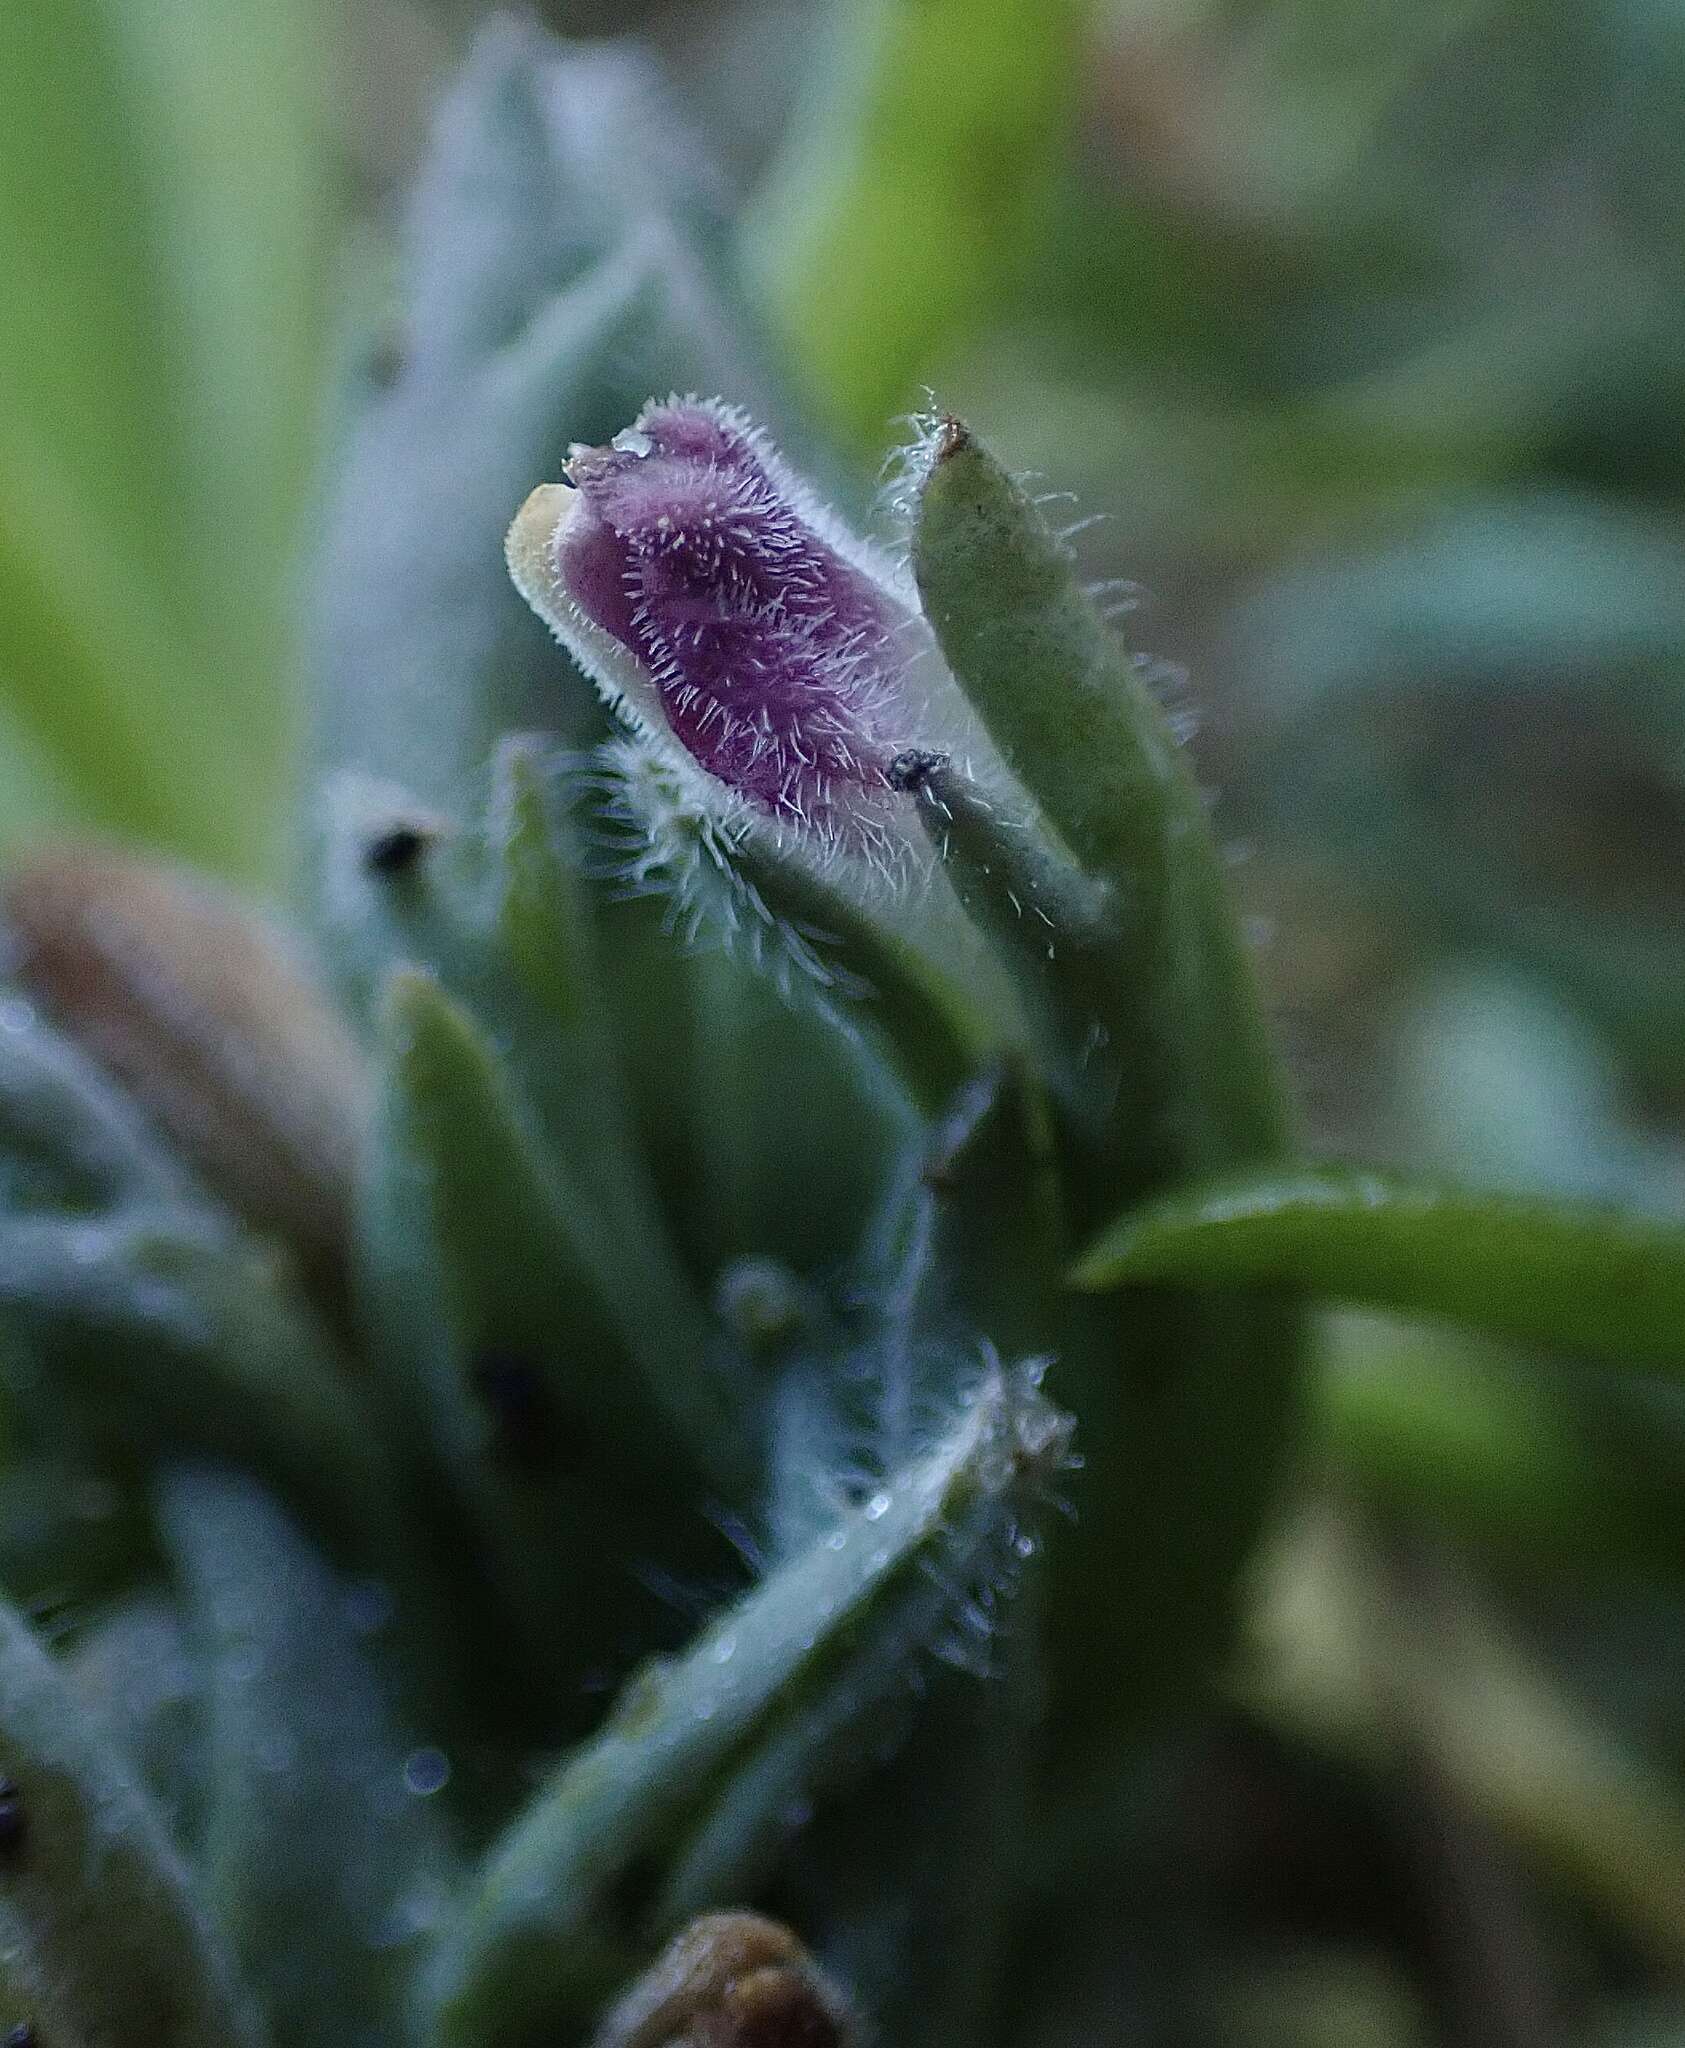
(324, 1854)
(1603, 1281)
(1102, 892)
(771, 1080)
(542, 1932)
(503, 915)
(517, 1241)
(961, 1251)
(1077, 724)
(544, 917)
(142, 1683)
(935, 1955)
(98, 1922)
(968, 1240)
(787, 1119)
(731, 1056)
(159, 1336)
(810, 1810)
(1053, 926)
(822, 947)
(930, 1034)
(568, 1425)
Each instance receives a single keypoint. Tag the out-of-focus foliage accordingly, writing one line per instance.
(163, 212)
(911, 189)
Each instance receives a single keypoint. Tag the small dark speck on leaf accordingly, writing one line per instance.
(395, 851)
(529, 1433)
(11, 1817)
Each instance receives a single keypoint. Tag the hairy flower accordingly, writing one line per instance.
(722, 610)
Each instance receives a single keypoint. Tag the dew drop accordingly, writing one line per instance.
(426, 1771)
(724, 1649)
(877, 1507)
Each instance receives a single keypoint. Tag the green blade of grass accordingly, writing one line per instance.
(1572, 1276)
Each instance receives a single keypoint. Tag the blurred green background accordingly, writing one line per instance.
(1358, 329)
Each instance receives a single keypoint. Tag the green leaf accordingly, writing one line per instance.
(325, 1865)
(1053, 928)
(504, 919)
(703, 1114)
(546, 1928)
(1099, 885)
(961, 1253)
(911, 189)
(143, 1686)
(158, 332)
(516, 1242)
(772, 1029)
(565, 1414)
(1570, 1276)
(158, 1334)
(780, 1117)
(934, 1956)
(1076, 722)
(970, 1236)
(99, 1924)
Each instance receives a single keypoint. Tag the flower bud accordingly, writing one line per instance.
(722, 610)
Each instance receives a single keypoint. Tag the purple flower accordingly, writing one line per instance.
(722, 610)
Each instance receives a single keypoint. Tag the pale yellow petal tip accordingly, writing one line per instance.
(530, 548)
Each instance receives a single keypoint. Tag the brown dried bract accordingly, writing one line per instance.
(200, 1011)
(731, 1980)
